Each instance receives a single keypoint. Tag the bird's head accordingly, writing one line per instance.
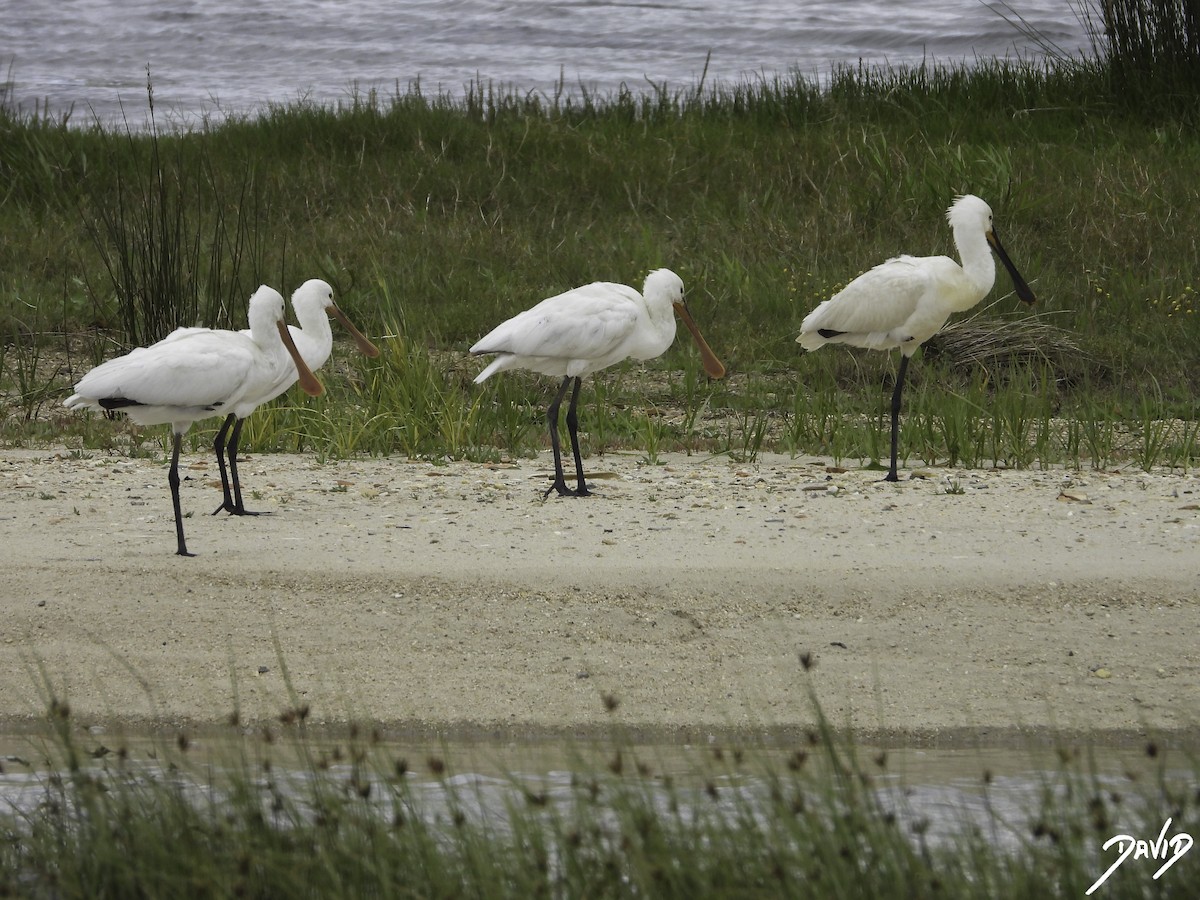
(665, 283)
(317, 294)
(314, 293)
(266, 308)
(970, 214)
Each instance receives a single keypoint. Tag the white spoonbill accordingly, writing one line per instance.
(194, 374)
(312, 303)
(906, 300)
(583, 331)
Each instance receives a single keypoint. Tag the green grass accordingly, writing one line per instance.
(435, 217)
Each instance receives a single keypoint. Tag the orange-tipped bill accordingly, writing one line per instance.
(1019, 285)
(364, 345)
(712, 365)
(308, 381)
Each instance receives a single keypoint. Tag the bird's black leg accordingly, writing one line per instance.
(234, 439)
(173, 479)
(560, 483)
(219, 449)
(891, 475)
(573, 431)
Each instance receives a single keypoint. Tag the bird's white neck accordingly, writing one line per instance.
(661, 316)
(977, 262)
(314, 321)
(262, 325)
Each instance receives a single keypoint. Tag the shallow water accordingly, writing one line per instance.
(936, 794)
(217, 57)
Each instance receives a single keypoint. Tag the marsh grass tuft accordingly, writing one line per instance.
(1151, 51)
(996, 347)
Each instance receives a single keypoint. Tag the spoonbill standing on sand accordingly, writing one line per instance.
(197, 373)
(906, 300)
(583, 331)
(312, 303)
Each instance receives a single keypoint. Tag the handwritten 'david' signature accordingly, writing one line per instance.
(1169, 849)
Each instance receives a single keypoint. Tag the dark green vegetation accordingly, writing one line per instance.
(437, 217)
(284, 814)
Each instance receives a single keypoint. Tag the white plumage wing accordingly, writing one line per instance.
(199, 369)
(588, 323)
(896, 303)
(877, 300)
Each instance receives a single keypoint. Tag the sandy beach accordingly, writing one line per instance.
(956, 608)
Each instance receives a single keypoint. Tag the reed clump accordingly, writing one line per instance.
(1151, 52)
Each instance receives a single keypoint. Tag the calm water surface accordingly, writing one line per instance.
(939, 793)
(214, 57)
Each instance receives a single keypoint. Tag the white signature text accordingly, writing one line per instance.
(1169, 849)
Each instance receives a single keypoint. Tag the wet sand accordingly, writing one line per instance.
(957, 608)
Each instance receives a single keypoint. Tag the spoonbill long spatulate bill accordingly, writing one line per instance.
(198, 373)
(583, 331)
(312, 303)
(905, 301)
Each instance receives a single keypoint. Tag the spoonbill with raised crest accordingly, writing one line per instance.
(905, 301)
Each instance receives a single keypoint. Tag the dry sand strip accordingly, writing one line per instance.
(961, 607)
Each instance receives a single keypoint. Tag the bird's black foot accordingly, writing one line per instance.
(235, 510)
(564, 491)
(183, 551)
(891, 476)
